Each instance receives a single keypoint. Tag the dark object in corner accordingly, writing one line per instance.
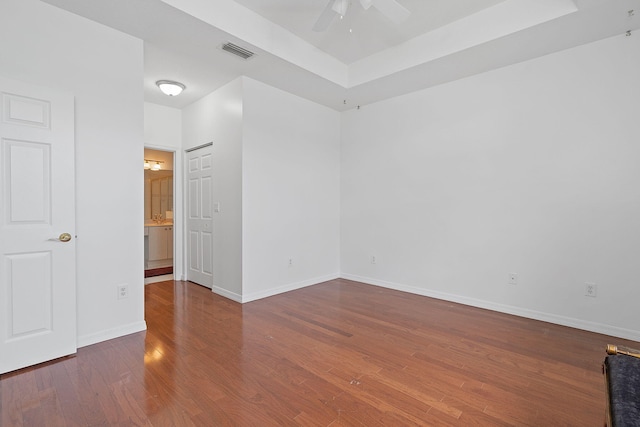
(622, 378)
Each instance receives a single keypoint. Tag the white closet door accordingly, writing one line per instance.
(37, 225)
(200, 216)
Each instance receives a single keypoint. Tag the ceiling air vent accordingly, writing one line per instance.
(237, 50)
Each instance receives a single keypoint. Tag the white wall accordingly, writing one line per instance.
(528, 169)
(291, 184)
(531, 169)
(163, 131)
(276, 176)
(43, 45)
(217, 118)
(162, 126)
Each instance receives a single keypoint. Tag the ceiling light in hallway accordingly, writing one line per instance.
(171, 88)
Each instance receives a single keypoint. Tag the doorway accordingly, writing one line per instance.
(159, 206)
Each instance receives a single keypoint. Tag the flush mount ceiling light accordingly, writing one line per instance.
(169, 87)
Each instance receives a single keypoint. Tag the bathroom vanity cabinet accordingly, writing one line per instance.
(160, 245)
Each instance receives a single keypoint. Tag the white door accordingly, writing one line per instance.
(200, 216)
(37, 206)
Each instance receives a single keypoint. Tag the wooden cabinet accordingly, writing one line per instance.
(160, 242)
(161, 197)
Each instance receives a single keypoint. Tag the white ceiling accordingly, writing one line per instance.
(442, 40)
(371, 31)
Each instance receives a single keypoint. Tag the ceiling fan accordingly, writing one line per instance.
(389, 8)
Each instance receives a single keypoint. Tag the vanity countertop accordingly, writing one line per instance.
(155, 224)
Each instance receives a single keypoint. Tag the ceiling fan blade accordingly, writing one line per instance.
(341, 6)
(325, 18)
(366, 4)
(392, 10)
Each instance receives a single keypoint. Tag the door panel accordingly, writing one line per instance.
(207, 255)
(27, 168)
(37, 205)
(24, 110)
(29, 286)
(200, 216)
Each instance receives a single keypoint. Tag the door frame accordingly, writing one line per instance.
(178, 209)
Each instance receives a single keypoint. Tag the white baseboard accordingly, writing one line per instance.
(227, 294)
(502, 308)
(109, 334)
(289, 287)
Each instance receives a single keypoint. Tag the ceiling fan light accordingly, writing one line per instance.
(171, 88)
(340, 7)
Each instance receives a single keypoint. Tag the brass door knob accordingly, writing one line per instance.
(64, 237)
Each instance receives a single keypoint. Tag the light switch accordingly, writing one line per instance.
(216, 207)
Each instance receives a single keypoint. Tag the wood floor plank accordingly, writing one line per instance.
(340, 353)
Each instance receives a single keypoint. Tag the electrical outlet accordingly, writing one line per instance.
(290, 262)
(123, 291)
(590, 290)
(513, 279)
(373, 259)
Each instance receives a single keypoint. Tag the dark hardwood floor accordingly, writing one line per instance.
(336, 354)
